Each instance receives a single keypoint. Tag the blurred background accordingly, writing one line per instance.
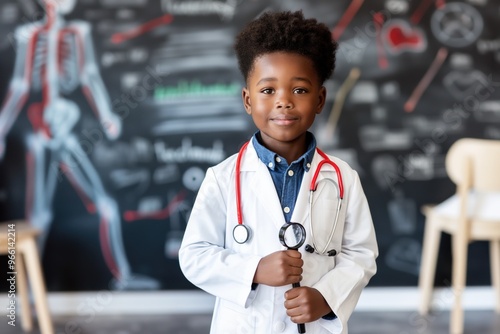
(111, 111)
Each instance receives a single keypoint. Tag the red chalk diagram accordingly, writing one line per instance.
(400, 36)
(121, 37)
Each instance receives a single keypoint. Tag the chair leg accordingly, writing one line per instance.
(432, 237)
(38, 285)
(22, 289)
(459, 273)
(495, 271)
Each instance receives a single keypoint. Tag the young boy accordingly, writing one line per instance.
(231, 246)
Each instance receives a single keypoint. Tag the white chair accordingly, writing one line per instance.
(26, 255)
(473, 213)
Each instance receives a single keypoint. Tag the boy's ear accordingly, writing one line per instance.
(321, 99)
(245, 96)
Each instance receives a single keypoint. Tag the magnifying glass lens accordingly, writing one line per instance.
(292, 235)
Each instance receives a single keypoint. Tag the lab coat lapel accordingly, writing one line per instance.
(262, 187)
(301, 210)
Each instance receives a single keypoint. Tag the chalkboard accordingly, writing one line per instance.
(113, 110)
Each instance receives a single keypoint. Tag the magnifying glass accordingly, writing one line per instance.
(292, 236)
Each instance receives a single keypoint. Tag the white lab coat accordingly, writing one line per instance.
(211, 259)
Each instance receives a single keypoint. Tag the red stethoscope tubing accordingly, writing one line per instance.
(326, 160)
(238, 187)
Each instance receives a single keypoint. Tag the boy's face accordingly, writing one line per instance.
(283, 96)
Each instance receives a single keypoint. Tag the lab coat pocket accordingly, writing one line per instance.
(230, 318)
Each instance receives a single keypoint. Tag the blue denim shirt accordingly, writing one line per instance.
(287, 178)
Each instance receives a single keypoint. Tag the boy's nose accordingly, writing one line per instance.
(284, 102)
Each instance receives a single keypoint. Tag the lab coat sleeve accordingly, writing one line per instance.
(203, 258)
(355, 264)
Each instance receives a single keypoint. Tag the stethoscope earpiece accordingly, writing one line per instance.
(310, 249)
(332, 252)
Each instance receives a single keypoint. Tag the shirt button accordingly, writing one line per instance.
(279, 326)
(270, 165)
(290, 172)
(308, 165)
(278, 159)
(286, 209)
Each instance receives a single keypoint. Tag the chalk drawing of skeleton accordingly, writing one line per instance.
(54, 57)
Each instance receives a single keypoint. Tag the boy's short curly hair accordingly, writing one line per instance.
(286, 32)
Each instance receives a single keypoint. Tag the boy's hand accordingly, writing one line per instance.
(279, 268)
(305, 304)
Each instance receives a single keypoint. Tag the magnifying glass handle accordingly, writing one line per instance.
(301, 328)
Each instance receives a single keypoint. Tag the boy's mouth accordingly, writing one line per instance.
(284, 119)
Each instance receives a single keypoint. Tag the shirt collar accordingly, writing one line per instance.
(269, 157)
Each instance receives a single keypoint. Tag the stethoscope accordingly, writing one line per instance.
(242, 233)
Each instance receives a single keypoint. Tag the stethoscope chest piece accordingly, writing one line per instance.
(241, 233)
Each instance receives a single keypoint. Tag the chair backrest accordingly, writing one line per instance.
(475, 161)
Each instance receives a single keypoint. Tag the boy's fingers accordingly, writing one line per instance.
(291, 294)
(295, 260)
(292, 308)
(294, 279)
(298, 263)
(294, 253)
(295, 271)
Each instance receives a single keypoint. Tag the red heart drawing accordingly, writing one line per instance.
(400, 37)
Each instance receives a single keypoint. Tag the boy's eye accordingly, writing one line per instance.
(300, 91)
(267, 91)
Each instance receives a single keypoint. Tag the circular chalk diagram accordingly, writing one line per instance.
(192, 178)
(457, 24)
